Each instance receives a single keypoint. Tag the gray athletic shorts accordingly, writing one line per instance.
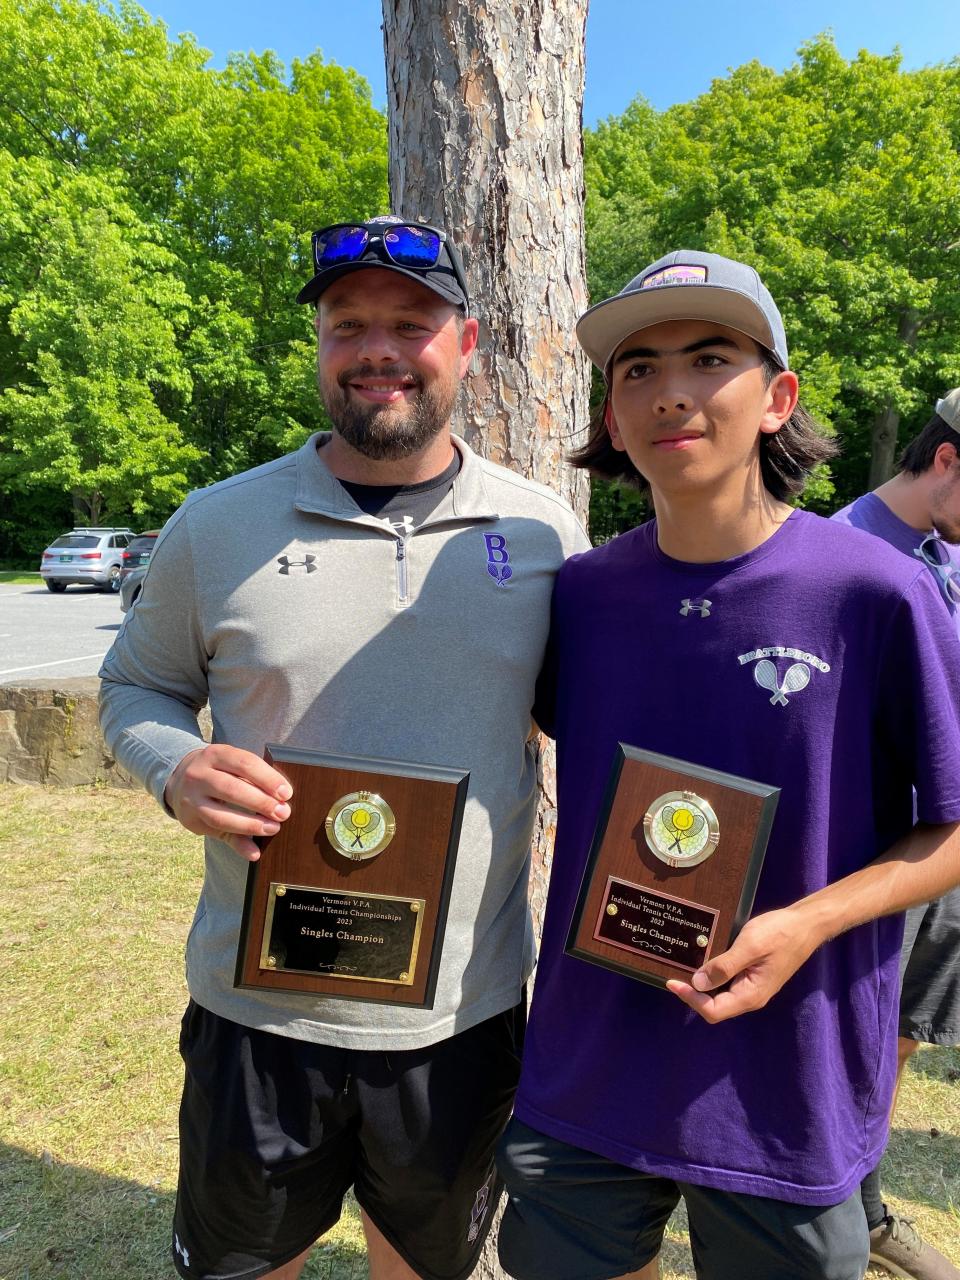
(574, 1215)
(930, 972)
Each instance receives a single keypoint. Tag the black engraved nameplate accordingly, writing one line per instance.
(358, 936)
(649, 923)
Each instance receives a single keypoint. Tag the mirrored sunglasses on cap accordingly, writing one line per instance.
(415, 246)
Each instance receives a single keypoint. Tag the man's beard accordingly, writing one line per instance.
(386, 432)
(949, 531)
(945, 510)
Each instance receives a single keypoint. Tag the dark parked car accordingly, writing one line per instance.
(134, 565)
(90, 557)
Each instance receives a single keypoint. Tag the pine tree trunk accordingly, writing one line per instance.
(484, 104)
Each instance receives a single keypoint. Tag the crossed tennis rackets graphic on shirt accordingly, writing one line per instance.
(797, 677)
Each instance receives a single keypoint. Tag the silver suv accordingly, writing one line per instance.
(87, 556)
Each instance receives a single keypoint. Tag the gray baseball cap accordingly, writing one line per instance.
(685, 285)
(949, 408)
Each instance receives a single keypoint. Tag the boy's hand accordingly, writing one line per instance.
(766, 954)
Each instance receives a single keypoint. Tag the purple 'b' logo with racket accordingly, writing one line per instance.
(498, 559)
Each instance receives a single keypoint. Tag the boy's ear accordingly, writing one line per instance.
(610, 422)
(782, 395)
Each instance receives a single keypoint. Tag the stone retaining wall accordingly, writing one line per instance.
(49, 734)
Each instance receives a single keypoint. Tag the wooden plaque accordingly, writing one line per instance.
(349, 899)
(673, 867)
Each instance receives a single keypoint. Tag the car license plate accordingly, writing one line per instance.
(65, 559)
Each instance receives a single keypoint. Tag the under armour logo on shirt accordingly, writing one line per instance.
(702, 607)
(306, 563)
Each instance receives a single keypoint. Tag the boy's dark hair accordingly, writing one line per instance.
(786, 458)
(919, 454)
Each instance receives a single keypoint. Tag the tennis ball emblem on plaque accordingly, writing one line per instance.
(681, 829)
(360, 825)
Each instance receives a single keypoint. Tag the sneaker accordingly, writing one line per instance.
(898, 1246)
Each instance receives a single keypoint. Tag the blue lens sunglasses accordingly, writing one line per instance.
(411, 245)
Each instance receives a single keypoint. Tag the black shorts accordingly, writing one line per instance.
(574, 1215)
(930, 972)
(273, 1131)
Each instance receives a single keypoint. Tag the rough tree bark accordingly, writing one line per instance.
(484, 104)
(485, 114)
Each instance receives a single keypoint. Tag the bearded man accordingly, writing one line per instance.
(381, 592)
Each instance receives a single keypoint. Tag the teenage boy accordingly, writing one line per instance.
(918, 512)
(381, 592)
(759, 1087)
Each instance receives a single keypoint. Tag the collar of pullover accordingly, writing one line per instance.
(321, 493)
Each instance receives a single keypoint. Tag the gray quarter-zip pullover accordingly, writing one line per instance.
(303, 621)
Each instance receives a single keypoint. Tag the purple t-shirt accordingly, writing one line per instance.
(872, 515)
(790, 1101)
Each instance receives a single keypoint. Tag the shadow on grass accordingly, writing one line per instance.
(65, 1222)
(923, 1166)
(922, 1162)
(937, 1063)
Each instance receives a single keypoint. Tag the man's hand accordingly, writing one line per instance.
(231, 794)
(768, 951)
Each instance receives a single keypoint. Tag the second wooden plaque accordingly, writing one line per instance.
(673, 867)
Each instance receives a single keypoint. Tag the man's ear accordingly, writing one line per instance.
(945, 460)
(610, 422)
(468, 343)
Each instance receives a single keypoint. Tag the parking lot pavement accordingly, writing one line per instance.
(43, 635)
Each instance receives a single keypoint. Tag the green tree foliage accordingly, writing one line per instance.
(840, 181)
(155, 217)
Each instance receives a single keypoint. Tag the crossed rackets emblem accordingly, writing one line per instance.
(681, 828)
(681, 823)
(361, 822)
(360, 825)
(797, 677)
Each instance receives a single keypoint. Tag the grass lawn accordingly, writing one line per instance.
(21, 577)
(99, 890)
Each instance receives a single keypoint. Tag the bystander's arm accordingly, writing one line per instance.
(921, 866)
